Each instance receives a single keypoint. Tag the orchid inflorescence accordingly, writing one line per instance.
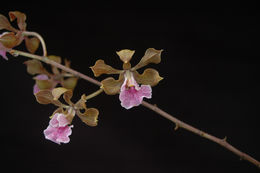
(50, 86)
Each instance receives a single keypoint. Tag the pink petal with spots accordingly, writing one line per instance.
(133, 95)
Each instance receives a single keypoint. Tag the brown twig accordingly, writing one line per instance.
(178, 123)
(223, 142)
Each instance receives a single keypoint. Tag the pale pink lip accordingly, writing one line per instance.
(131, 94)
(58, 130)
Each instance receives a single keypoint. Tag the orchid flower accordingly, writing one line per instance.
(59, 129)
(128, 84)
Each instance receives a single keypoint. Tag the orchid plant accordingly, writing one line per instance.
(49, 87)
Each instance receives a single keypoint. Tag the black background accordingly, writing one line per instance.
(210, 69)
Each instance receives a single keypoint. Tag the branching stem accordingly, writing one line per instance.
(179, 124)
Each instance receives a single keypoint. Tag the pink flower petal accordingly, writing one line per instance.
(58, 134)
(146, 91)
(50, 134)
(54, 122)
(62, 120)
(64, 139)
(58, 130)
(133, 95)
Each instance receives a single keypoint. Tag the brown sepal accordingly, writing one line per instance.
(151, 56)
(9, 39)
(89, 116)
(101, 67)
(34, 67)
(112, 86)
(70, 83)
(21, 17)
(5, 24)
(44, 84)
(148, 77)
(125, 55)
(32, 44)
(67, 94)
(46, 97)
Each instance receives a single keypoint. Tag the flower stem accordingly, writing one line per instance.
(35, 34)
(179, 124)
(94, 94)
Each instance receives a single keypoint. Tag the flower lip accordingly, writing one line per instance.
(58, 130)
(131, 94)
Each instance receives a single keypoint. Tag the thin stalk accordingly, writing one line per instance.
(94, 94)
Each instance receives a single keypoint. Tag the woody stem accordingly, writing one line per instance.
(223, 142)
(179, 124)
